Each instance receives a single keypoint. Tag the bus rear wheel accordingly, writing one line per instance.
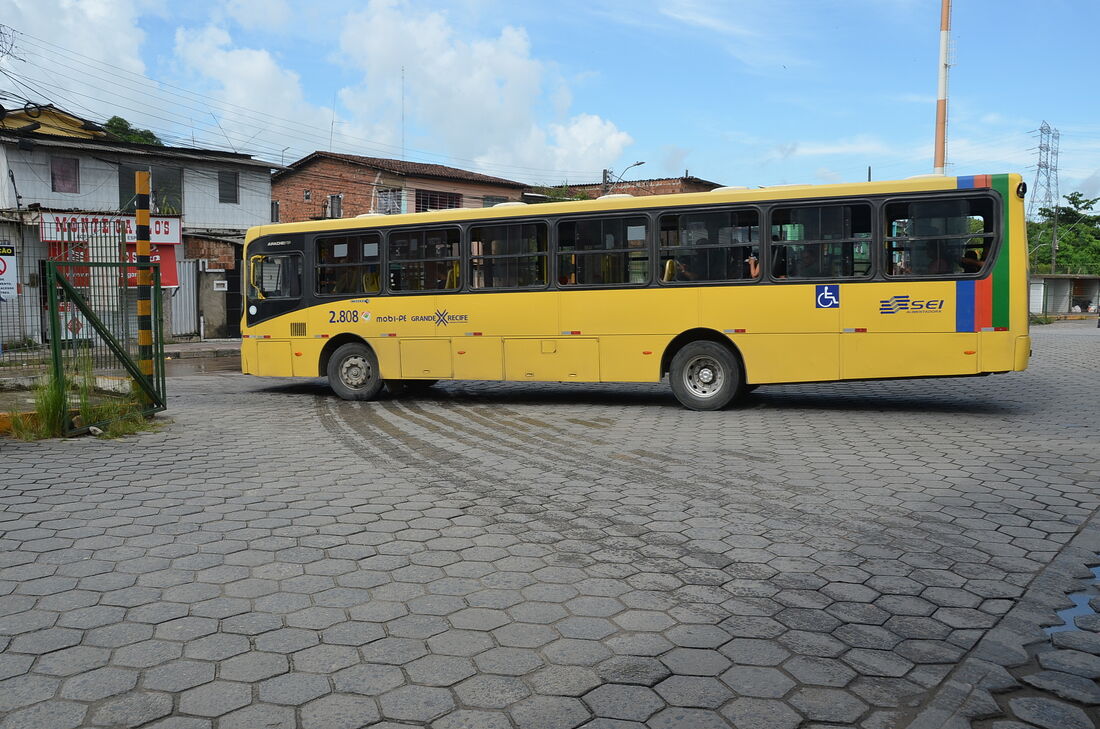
(353, 372)
(705, 376)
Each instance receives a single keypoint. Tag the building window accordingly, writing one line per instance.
(65, 174)
(489, 201)
(228, 186)
(333, 206)
(165, 188)
(274, 211)
(389, 200)
(431, 200)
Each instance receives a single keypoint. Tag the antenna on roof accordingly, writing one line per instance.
(402, 113)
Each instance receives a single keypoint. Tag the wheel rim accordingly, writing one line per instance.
(355, 372)
(704, 376)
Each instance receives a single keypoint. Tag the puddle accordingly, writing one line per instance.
(1080, 606)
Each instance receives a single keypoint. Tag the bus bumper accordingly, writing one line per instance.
(1022, 353)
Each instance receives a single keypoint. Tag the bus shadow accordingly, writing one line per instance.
(796, 398)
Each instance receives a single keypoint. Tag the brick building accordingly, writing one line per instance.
(331, 185)
(656, 186)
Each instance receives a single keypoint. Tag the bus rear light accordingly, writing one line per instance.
(1000, 329)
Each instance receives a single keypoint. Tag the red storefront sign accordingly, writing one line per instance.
(80, 276)
(64, 227)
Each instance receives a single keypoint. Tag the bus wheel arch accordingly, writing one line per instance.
(331, 346)
(706, 370)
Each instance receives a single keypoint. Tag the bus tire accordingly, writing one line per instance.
(705, 376)
(353, 372)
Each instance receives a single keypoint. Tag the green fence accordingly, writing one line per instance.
(93, 343)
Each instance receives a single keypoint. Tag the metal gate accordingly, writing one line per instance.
(94, 349)
(185, 301)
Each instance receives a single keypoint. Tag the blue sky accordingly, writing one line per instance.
(745, 92)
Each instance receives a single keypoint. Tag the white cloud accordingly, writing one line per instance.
(269, 109)
(470, 98)
(264, 14)
(100, 30)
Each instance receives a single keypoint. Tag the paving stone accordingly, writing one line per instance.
(353, 632)
(25, 690)
(339, 711)
(695, 662)
(694, 691)
(470, 719)
(14, 665)
(215, 699)
(549, 712)
(639, 670)
(757, 681)
(293, 689)
(676, 717)
(47, 715)
(1077, 689)
(99, 684)
(177, 676)
(64, 662)
(147, 653)
(132, 710)
(268, 716)
(497, 692)
(1069, 661)
(508, 661)
(325, 658)
(216, 647)
(827, 704)
(416, 703)
(761, 714)
(1049, 713)
(620, 701)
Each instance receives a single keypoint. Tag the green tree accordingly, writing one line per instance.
(559, 193)
(1078, 228)
(120, 129)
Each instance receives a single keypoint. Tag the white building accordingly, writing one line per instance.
(65, 182)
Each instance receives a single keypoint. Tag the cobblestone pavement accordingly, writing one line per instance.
(492, 555)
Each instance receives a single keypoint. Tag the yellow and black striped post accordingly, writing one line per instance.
(144, 277)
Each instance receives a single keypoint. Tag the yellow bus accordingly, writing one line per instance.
(719, 291)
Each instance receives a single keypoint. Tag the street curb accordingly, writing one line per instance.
(967, 692)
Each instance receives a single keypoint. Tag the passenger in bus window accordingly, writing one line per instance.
(808, 264)
(938, 264)
(752, 266)
(971, 261)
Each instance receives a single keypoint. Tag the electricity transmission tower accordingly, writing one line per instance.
(1045, 190)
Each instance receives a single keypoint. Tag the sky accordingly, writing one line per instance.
(738, 92)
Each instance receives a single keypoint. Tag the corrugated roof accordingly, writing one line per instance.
(402, 167)
(133, 149)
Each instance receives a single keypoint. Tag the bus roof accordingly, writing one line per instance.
(920, 183)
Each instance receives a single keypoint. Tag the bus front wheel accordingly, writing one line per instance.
(353, 372)
(705, 376)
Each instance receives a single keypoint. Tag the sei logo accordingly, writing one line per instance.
(905, 303)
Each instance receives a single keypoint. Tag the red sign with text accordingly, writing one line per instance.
(66, 227)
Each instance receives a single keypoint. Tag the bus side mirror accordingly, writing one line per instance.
(254, 267)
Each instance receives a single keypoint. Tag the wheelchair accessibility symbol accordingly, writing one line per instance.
(828, 296)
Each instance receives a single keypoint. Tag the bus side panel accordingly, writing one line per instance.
(630, 311)
(307, 353)
(273, 358)
(867, 356)
(248, 356)
(788, 357)
(426, 358)
(477, 358)
(563, 359)
(631, 358)
(998, 351)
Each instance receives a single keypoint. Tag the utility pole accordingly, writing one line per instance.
(941, 98)
(606, 181)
